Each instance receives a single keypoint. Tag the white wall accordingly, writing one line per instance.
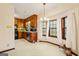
(77, 26)
(72, 36)
(71, 30)
(6, 27)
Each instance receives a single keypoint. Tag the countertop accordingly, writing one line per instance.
(28, 31)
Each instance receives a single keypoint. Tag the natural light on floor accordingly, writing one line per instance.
(25, 48)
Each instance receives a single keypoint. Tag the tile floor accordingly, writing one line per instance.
(25, 48)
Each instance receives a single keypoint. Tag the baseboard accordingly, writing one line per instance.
(7, 50)
(59, 46)
(74, 53)
(51, 43)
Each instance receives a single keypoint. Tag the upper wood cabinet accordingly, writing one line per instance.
(25, 21)
(33, 20)
(19, 22)
(20, 25)
(22, 22)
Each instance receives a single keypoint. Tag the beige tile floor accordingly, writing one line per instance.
(25, 48)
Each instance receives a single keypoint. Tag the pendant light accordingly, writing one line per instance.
(44, 13)
(44, 18)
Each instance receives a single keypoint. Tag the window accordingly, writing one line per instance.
(53, 28)
(44, 28)
(63, 27)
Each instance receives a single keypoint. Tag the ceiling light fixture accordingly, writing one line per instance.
(44, 10)
(44, 16)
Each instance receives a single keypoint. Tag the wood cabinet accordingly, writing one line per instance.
(19, 35)
(33, 20)
(20, 24)
(24, 23)
(25, 35)
(33, 36)
(33, 25)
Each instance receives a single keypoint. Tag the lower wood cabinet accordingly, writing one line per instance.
(33, 36)
(19, 35)
(25, 35)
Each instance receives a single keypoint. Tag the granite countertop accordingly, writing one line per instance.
(31, 31)
(23, 30)
(28, 31)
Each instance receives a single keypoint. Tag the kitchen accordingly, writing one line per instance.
(26, 28)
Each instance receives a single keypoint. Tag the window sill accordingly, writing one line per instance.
(53, 36)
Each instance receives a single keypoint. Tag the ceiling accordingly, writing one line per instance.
(24, 10)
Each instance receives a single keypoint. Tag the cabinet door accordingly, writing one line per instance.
(20, 23)
(33, 20)
(33, 37)
(25, 35)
